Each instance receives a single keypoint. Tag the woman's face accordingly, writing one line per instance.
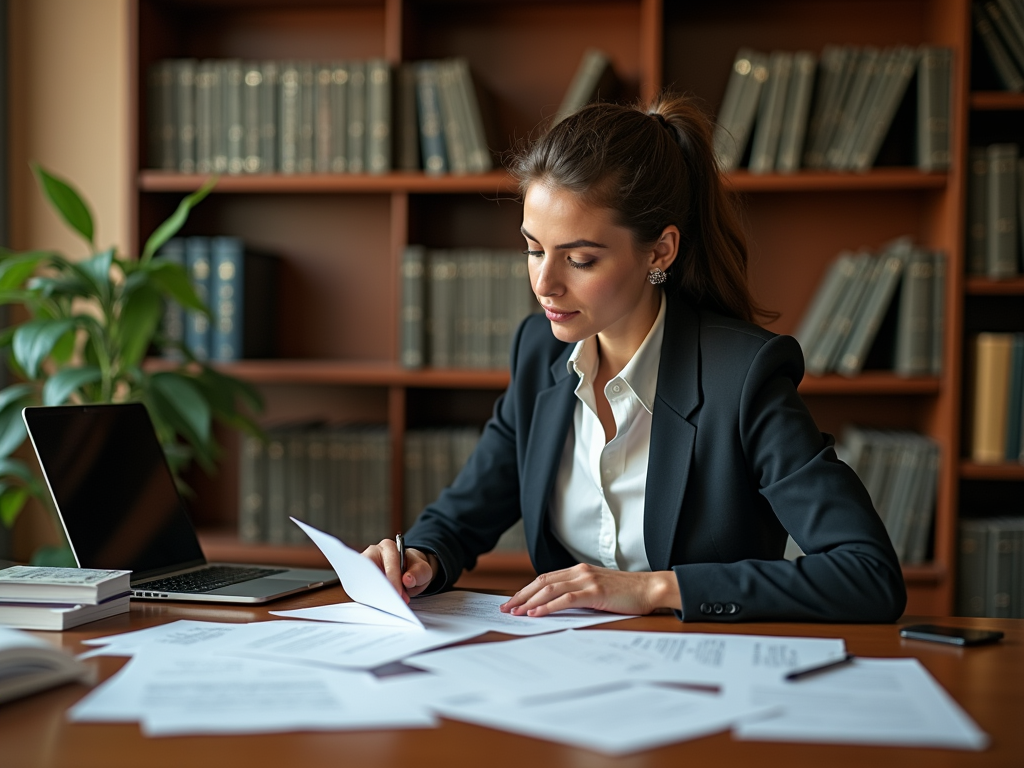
(585, 270)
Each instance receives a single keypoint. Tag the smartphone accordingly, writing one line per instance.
(950, 635)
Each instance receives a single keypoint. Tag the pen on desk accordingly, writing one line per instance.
(400, 541)
(800, 674)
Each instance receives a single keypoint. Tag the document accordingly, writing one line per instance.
(464, 609)
(182, 634)
(191, 693)
(613, 719)
(871, 701)
(363, 581)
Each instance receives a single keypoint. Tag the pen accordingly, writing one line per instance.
(400, 541)
(800, 674)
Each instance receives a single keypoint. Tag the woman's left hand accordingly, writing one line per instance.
(588, 586)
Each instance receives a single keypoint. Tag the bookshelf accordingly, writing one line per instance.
(342, 235)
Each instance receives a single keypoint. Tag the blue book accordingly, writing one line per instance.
(428, 105)
(243, 300)
(1015, 399)
(172, 324)
(197, 325)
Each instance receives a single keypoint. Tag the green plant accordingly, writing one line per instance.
(90, 323)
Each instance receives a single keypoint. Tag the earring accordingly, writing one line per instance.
(657, 276)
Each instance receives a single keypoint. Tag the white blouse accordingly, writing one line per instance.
(597, 504)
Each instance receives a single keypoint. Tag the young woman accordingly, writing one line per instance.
(651, 437)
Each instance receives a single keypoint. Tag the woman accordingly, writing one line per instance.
(651, 437)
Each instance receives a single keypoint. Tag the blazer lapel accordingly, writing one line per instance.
(552, 418)
(672, 435)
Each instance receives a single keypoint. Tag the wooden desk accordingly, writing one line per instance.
(987, 681)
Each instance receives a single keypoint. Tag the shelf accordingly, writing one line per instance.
(997, 101)
(983, 286)
(871, 383)
(970, 470)
(329, 183)
(837, 181)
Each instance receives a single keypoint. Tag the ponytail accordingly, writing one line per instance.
(654, 167)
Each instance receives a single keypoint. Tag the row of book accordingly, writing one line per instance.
(338, 478)
(841, 125)
(991, 568)
(36, 597)
(460, 307)
(352, 116)
(995, 211)
(995, 398)
(1000, 25)
(877, 311)
(900, 470)
(238, 285)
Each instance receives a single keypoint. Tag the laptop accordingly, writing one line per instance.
(120, 508)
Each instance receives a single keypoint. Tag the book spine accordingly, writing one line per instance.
(998, 588)
(407, 141)
(357, 117)
(228, 259)
(977, 211)
(934, 79)
(734, 144)
(853, 105)
(428, 107)
(826, 350)
(583, 87)
(443, 273)
(769, 118)
(323, 119)
(1015, 399)
(277, 499)
(252, 476)
(1006, 70)
(451, 126)
(185, 102)
(252, 83)
(218, 127)
(906, 65)
(378, 116)
(296, 484)
(913, 325)
(197, 324)
(317, 479)
(413, 300)
(815, 319)
(234, 124)
(1001, 24)
(288, 117)
(992, 353)
(204, 116)
(307, 108)
(268, 88)
(832, 63)
(882, 80)
(795, 114)
(862, 336)
(938, 320)
(173, 320)
(163, 127)
(971, 568)
(1001, 221)
(339, 117)
(479, 156)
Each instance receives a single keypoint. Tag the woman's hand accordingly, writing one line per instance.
(420, 567)
(587, 586)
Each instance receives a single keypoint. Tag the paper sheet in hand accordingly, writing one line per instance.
(192, 694)
(872, 701)
(468, 609)
(363, 581)
(615, 719)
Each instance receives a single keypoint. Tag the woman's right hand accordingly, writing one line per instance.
(420, 567)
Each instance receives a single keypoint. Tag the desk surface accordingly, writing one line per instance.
(987, 681)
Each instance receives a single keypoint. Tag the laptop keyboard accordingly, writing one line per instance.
(208, 579)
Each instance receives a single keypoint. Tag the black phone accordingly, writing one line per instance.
(950, 635)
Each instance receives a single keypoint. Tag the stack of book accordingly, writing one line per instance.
(1000, 25)
(995, 398)
(900, 470)
(354, 116)
(461, 307)
(33, 597)
(881, 310)
(991, 569)
(995, 207)
(238, 285)
(335, 477)
(433, 458)
(844, 124)
(29, 664)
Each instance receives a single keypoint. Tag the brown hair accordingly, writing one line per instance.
(654, 167)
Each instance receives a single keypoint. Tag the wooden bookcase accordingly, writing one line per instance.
(342, 236)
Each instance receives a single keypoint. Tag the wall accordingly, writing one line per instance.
(68, 112)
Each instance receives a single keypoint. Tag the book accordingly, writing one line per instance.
(378, 116)
(317, 479)
(339, 117)
(269, 157)
(913, 324)
(880, 78)
(829, 345)
(739, 107)
(413, 321)
(990, 396)
(243, 297)
(816, 318)
(289, 103)
(306, 112)
(453, 126)
(1015, 399)
(1007, 72)
(185, 73)
(977, 211)
(207, 113)
(162, 127)
(296, 483)
(252, 490)
(868, 73)
(232, 126)
(28, 665)
(971, 569)
(1001, 211)
(934, 105)
(1013, 44)
(55, 616)
(39, 584)
(478, 154)
(323, 118)
(251, 98)
(407, 139)
(795, 112)
(833, 60)
(999, 584)
(875, 131)
(594, 80)
(197, 324)
(846, 68)
(938, 319)
(277, 490)
(172, 322)
(356, 108)
(768, 128)
(428, 107)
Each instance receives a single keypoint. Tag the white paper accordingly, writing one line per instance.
(467, 609)
(183, 634)
(871, 701)
(196, 693)
(614, 719)
(363, 581)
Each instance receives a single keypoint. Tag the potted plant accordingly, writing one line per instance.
(89, 326)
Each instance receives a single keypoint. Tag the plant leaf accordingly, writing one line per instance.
(16, 269)
(59, 387)
(16, 468)
(172, 280)
(12, 431)
(55, 556)
(12, 500)
(34, 340)
(66, 201)
(140, 317)
(175, 221)
(169, 424)
(65, 347)
(97, 270)
(186, 400)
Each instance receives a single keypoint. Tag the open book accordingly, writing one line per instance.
(28, 664)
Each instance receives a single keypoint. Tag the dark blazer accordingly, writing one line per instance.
(735, 463)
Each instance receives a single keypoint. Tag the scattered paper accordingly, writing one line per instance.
(183, 634)
(871, 701)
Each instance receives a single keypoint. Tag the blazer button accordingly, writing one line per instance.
(732, 608)
(705, 607)
(719, 608)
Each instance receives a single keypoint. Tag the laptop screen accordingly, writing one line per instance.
(113, 489)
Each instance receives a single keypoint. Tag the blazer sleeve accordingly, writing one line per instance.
(850, 572)
(469, 516)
